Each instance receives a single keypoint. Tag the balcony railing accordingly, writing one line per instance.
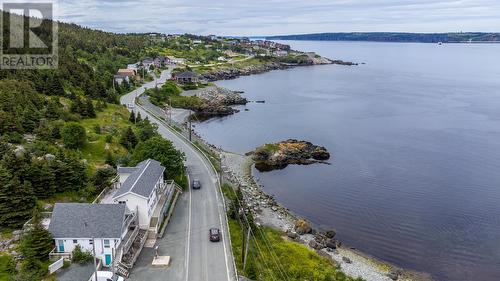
(53, 255)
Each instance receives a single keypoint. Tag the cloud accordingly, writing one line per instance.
(266, 17)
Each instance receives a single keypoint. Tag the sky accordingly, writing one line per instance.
(279, 17)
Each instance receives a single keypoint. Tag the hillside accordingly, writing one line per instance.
(395, 37)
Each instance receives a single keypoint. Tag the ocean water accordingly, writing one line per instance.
(414, 135)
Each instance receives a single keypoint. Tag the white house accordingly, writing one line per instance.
(175, 60)
(103, 229)
(143, 188)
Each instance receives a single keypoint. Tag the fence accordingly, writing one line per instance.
(56, 265)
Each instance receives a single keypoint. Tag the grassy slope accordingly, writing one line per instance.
(111, 121)
(270, 248)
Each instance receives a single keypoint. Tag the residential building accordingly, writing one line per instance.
(280, 53)
(144, 189)
(103, 229)
(124, 74)
(186, 77)
(175, 60)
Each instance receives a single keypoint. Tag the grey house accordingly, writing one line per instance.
(187, 77)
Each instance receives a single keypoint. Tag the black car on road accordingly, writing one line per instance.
(196, 184)
(214, 234)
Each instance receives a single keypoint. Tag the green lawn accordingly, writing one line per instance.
(111, 121)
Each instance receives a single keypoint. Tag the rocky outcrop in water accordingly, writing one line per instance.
(216, 101)
(279, 155)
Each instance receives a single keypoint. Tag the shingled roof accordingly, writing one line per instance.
(82, 220)
(186, 74)
(142, 178)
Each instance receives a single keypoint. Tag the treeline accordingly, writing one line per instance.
(88, 60)
(395, 37)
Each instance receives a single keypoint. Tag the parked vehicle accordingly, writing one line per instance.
(196, 184)
(106, 276)
(214, 234)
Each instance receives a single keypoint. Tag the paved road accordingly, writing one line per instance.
(193, 256)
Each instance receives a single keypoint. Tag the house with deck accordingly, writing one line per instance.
(144, 189)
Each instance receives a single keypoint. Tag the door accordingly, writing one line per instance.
(60, 244)
(107, 259)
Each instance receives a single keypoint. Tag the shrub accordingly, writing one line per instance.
(81, 257)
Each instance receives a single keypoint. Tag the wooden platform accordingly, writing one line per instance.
(161, 261)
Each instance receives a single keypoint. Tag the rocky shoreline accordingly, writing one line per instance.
(267, 211)
(233, 72)
(274, 156)
(216, 101)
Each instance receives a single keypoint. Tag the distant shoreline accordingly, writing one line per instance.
(396, 37)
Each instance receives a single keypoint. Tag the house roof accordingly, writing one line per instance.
(126, 72)
(142, 178)
(186, 74)
(82, 220)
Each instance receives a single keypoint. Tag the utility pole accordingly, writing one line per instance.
(221, 173)
(189, 121)
(95, 263)
(245, 254)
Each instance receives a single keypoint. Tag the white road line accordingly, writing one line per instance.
(208, 169)
(188, 229)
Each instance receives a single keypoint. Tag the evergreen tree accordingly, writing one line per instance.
(77, 106)
(56, 87)
(42, 179)
(37, 243)
(89, 108)
(139, 118)
(128, 139)
(110, 159)
(54, 109)
(73, 135)
(146, 130)
(132, 117)
(16, 200)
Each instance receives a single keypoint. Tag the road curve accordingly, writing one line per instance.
(203, 260)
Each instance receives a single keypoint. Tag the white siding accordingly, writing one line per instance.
(145, 207)
(85, 244)
(140, 204)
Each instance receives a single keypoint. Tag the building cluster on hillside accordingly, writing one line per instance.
(147, 65)
(115, 230)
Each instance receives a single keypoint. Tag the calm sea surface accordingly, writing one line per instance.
(415, 141)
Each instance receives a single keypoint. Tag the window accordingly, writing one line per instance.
(91, 242)
(75, 241)
(106, 243)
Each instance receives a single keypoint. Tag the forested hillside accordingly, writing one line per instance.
(59, 127)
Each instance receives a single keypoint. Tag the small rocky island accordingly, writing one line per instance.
(274, 156)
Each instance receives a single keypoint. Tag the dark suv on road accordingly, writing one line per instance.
(214, 234)
(196, 184)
